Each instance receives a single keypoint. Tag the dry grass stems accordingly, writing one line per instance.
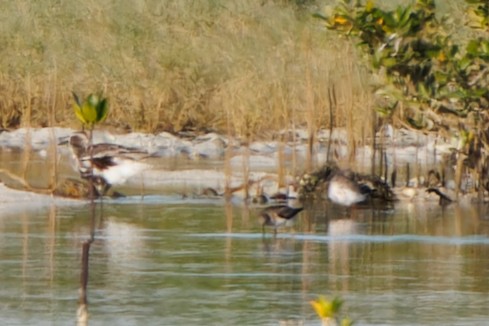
(175, 66)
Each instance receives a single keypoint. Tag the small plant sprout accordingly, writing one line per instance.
(92, 111)
(328, 311)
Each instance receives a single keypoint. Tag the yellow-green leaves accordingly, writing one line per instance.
(326, 308)
(478, 14)
(91, 111)
(328, 311)
(346, 322)
(425, 72)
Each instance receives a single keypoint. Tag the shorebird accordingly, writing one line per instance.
(345, 191)
(279, 197)
(105, 164)
(277, 216)
(444, 199)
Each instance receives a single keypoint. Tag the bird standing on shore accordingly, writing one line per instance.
(105, 164)
(277, 216)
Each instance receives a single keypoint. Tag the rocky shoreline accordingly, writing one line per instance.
(258, 162)
(403, 146)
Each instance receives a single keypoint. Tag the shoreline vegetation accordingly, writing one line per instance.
(245, 70)
(240, 68)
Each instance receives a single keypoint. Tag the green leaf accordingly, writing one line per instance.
(346, 322)
(404, 15)
(93, 100)
(93, 110)
(102, 110)
(327, 308)
(441, 77)
(464, 63)
(79, 114)
(389, 62)
(89, 112)
(336, 305)
(473, 47)
(477, 93)
(484, 47)
(77, 99)
(423, 91)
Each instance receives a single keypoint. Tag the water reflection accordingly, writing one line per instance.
(177, 263)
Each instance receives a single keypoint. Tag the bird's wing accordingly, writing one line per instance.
(288, 212)
(107, 150)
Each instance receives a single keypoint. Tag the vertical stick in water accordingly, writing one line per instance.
(381, 156)
(228, 154)
(408, 174)
(82, 313)
(246, 169)
(332, 107)
(394, 158)
(374, 145)
(281, 163)
(310, 151)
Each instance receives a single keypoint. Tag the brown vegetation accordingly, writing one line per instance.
(241, 67)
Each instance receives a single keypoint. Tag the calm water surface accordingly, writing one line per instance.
(169, 261)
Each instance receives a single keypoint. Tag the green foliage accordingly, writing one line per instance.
(91, 111)
(478, 13)
(328, 311)
(436, 81)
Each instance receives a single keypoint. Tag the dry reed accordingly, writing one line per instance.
(177, 65)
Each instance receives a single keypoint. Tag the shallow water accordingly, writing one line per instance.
(171, 261)
(165, 260)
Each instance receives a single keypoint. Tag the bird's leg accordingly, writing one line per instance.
(94, 192)
(106, 188)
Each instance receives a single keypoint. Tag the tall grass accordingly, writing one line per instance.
(254, 67)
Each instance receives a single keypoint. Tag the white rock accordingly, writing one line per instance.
(209, 146)
(254, 161)
(264, 147)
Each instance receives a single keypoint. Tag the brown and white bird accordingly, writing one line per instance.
(277, 216)
(345, 191)
(444, 199)
(106, 164)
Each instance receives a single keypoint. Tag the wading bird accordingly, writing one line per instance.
(277, 216)
(345, 191)
(105, 164)
(444, 199)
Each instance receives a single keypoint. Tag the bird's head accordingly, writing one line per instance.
(79, 143)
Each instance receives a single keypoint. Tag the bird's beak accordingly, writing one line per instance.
(64, 141)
